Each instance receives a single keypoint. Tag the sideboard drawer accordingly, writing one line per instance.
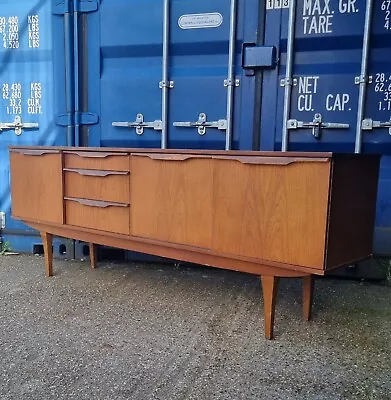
(105, 161)
(97, 185)
(100, 215)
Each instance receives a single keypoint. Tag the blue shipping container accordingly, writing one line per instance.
(239, 74)
(32, 68)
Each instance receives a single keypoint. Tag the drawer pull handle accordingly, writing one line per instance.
(95, 154)
(34, 152)
(96, 203)
(98, 173)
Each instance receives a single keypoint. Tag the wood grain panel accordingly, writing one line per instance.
(272, 212)
(97, 160)
(37, 186)
(352, 209)
(172, 200)
(109, 187)
(110, 218)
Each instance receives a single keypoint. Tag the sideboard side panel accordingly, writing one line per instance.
(352, 209)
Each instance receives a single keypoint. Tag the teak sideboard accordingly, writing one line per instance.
(269, 214)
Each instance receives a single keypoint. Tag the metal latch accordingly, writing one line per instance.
(2, 220)
(140, 125)
(202, 124)
(368, 124)
(316, 125)
(255, 57)
(17, 125)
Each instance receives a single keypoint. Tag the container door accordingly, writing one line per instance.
(336, 95)
(32, 94)
(332, 89)
(160, 73)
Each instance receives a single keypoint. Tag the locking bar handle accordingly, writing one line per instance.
(369, 124)
(17, 125)
(202, 124)
(140, 124)
(316, 125)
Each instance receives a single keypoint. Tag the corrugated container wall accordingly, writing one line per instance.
(32, 87)
(239, 74)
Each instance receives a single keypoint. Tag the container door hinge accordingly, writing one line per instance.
(61, 7)
(202, 124)
(140, 124)
(288, 82)
(71, 119)
(230, 82)
(17, 126)
(169, 84)
(358, 80)
(368, 125)
(316, 125)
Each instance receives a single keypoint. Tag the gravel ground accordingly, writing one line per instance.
(133, 331)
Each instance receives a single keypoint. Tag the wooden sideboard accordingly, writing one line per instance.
(269, 214)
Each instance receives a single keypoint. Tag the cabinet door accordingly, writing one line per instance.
(36, 185)
(272, 209)
(171, 198)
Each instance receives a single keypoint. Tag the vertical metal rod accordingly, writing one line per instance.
(77, 77)
(69, 78)
(231, 74)
(363, 75)
(289, 74)
(165, 81)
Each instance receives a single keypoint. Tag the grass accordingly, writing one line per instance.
(5, 248)
(385, 265)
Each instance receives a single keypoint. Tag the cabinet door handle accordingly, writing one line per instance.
(95, 154)
(26, 152)
(170, 157)
(259, 160)
(96, 203)
(254, 160)
(98, 173)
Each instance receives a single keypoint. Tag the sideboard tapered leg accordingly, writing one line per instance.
(93, 255)
(308, 294)
(269, 288)
(47, 241)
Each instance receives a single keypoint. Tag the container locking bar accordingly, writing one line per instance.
(17, 125)
(202, 124)
(290, 54)
(140, 125)
(316, 125)
(368, 125)
(363, 80)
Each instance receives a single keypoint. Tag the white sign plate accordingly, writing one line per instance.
(200, 21)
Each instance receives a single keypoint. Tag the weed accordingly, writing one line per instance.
(5, 248)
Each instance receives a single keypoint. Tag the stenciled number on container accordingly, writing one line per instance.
(16, 103)
(383, 88)
(386, 8)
